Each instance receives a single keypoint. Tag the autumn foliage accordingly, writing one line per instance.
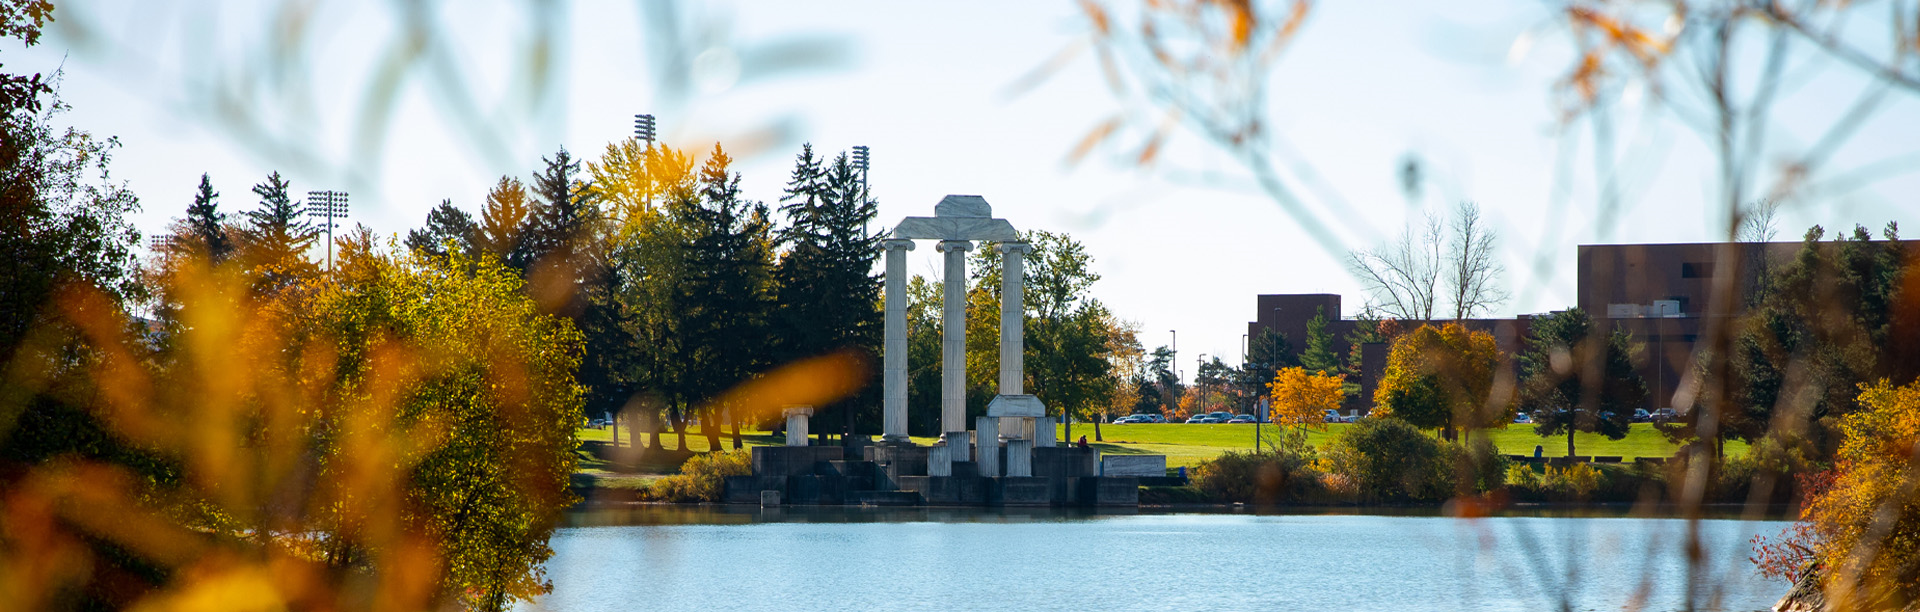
(1299, 398)
(1440, 377)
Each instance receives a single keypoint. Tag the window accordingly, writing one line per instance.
(1701, 269)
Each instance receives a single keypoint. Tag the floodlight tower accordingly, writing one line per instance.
(329, 207)
(860, 159)
(160, 243)
(643, 128)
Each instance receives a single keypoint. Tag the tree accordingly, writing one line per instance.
(207, 225)
(448, 229)
(1440, 377)
(828, 295)
(1830, 320)
(277, 235)
(1160, 373)
(1127, 361)
(1472, 264)
(724, 300)
(1267, 353)
(1067, 338)
(1320, 355)
(633, 323)
(1859, 530)
(1403, 277)
(503, 224)
(561, 232)
(1575, 377)
(1300, 399)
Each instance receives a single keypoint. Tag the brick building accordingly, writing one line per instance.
(1658, 292)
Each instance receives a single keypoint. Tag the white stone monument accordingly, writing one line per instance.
(958, 221)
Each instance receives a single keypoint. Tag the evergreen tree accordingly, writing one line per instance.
(828, 295)
(1320, 356)
(1566, 391)
(1267, 353)
(563, 216)
(502, 230)
(724, 299)
(278, 233)
(446, 225)
(206, 224)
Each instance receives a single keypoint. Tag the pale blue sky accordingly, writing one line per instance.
(1183, 245)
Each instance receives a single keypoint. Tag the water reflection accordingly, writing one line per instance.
(746, 558)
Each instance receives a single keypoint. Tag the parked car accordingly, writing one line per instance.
(1221, 416)
(1241, 418)
(1522, 418)
(1665, 415)
(1640, 415)
(1198, 418)
(1154, 418)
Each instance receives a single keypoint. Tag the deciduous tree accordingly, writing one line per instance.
(1440, 377)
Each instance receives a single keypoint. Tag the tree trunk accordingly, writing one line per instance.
(710, 428)
(1066, 423)
(1096, 432)
(736, 433)
(653, 428)
(679, 419)
(615, 424)
(1570, 431)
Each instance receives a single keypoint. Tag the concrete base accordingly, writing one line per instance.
(793, 460)
(949, 491)
(769, 498)
(885, 498)
(1045, 435)
(1152, 466)
(1024, 491)
(1065, 462)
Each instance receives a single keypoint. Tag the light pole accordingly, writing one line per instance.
(643, 128)
(328, 206)
(860, 161)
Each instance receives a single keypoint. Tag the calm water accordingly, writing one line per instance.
(676, 559)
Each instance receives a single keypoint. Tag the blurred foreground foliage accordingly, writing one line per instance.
(396, 436)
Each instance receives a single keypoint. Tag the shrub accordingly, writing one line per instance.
(1478, 466)
(1522, 476)
(702, 477)
(1578, 481)
(1260, 478)
(1388, 460)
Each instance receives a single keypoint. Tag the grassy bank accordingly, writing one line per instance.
(1184, 445)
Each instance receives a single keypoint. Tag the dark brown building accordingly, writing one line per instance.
(1660, 293)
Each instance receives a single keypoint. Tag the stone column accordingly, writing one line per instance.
(1013, 290)
(1045, 433)
(953, 337)
(797, 424)
(894, 369)
(1019, 458)
(986, 445)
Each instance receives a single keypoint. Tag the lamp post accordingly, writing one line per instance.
(1257, 416)
(860, 157)
(329, 207)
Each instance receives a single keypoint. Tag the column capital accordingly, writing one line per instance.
(891, 244)
(1008, 247)
(954, 245)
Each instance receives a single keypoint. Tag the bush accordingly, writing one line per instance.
(1478, 466)
(702, 477)
(1388, 460)
(1286, 475)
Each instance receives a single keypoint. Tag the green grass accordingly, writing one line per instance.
(1187, 445)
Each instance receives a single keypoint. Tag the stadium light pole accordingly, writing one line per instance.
(643, 128)
(329, 207)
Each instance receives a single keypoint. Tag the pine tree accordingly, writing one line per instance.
(828, 295)
(446, 224)
(206, 223)
(725, 298)
(1320, 356)
(503, 223)
(278, 233)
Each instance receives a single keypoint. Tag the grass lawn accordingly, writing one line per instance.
(1186, 445)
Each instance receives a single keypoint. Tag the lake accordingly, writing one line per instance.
(932, 559)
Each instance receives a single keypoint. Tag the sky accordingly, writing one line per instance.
(1182, 244)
